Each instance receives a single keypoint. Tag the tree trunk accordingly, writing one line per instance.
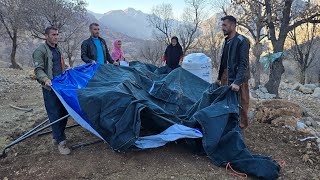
(276, 71)
(14, 63)
(71, 62)
(319, 77)
(302, 75)
(257, 73)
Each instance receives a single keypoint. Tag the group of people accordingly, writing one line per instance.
(95, 50)
(49, 63)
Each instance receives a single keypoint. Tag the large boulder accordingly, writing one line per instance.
(263, 89)
(269, 110)
(297, 86)
(305, 90)
(316, 92)
(311, 86)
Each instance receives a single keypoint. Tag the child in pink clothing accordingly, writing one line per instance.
(117, 53)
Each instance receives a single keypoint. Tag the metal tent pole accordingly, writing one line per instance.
(30, 133)
(47, 132)
(33, 129)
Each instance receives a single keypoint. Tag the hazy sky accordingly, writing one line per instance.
(103, 6)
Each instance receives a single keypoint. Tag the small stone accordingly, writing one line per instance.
(308, 145)
(308, 123)
(318, 140)
(305, 90)
(305, 158)
(5, 178)
(264, 90)
(251, 115)
(316, 93)
(311, 86)
(297, 86)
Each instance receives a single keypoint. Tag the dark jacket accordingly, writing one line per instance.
(238, 61)
(173, 55)
(89, 51)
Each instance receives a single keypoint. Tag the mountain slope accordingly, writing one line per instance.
(130, 22)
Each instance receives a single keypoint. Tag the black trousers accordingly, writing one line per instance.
(55, 110)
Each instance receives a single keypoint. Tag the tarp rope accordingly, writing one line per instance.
(281, 163)
(235, 173)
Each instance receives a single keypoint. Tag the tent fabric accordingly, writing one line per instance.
(120, 104)
(173, 133)
(268, 59)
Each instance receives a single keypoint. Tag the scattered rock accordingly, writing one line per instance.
(305, 158)
(263, 89)
(308, 146)
(311, 122)
(262, 93)
(251, 115)
(311, 86)
(297, 86)
(308, 123)
(316, 92)
(305, 90)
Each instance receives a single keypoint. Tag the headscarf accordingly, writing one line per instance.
(117, 53)
(173, 54)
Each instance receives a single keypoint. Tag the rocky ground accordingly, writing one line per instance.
(277, 128)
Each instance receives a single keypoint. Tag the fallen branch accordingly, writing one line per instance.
(21, 109)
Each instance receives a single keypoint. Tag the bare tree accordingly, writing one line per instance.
(282, 17)
(151, 52)
(210, 42)
(303, 49)
(162, 21)
(192, 18)
(12, 17)
(58, 13)
(73, 38)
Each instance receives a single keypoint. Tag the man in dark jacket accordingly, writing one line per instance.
(234, 67)
(94, 49)
(49, 63)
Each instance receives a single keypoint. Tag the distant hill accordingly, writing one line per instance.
(110, 35)
(130, 22)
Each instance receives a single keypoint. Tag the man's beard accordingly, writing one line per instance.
(96, 35)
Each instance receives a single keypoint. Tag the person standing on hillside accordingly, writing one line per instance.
(117, 52)
(234, 67)
(49, 63)
(173, 54)
(94, 49)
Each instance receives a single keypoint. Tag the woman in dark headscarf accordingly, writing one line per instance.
(173, 54)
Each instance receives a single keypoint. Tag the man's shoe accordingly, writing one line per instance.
(63, 149)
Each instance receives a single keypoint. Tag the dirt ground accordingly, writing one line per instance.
(37, 158)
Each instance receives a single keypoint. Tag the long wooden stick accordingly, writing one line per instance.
(21, 109)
